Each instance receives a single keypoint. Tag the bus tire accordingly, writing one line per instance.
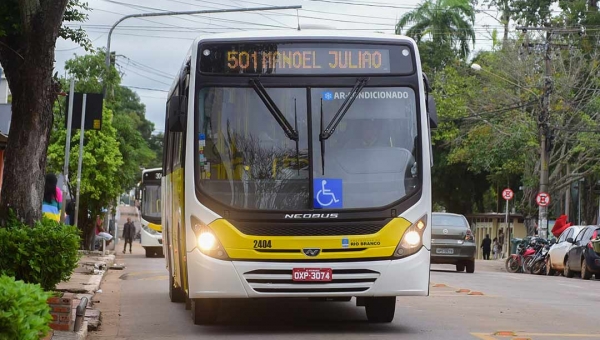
(380, 309)
(176, 294)
(205, 311)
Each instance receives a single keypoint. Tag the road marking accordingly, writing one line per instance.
(569, 335)
(522, 336)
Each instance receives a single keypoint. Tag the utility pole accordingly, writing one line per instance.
(543, 118)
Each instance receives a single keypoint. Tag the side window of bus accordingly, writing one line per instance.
(167, 145)
(176, 149)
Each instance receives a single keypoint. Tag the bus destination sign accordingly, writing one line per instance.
(305, 59)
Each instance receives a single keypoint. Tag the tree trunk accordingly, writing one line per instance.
(27, 55)
(530, 225)
(25, 166)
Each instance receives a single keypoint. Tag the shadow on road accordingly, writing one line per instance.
(294, 316)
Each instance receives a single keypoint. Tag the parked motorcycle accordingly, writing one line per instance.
(522, 260)
(538, 264)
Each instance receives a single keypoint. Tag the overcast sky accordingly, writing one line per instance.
(150, 51)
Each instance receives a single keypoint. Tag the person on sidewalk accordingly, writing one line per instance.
(101, 233)
(486, 246)
(128, 234)
(495, 248)
(52, 199)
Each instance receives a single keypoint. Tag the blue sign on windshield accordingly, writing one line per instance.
(328, 193)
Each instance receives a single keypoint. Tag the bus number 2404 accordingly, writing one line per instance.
(262, 243)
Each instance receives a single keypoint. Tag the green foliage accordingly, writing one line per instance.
(24, 312)
(446, 22)
(44, 254)
(90, 72)
(156, 145)
(525, 12)
(102, 162)
(133, 130)
(11, 23)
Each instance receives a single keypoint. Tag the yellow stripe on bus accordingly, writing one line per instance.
(156, 227)
(241, 246)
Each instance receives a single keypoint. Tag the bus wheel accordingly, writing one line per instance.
(380, 309)
(176, 294)
(149, 252)
(205, 311)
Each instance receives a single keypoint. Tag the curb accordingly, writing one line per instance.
(89, 289)
(81, 335)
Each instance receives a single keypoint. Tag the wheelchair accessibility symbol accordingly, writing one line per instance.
(328, 193)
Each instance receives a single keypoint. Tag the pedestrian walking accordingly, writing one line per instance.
(486, 246)
(495, 248)
(128, 234)
(501, 243)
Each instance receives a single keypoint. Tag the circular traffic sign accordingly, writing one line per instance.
(543, 199)
(507, 194)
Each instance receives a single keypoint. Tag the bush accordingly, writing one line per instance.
(46, 253)
(24, 312)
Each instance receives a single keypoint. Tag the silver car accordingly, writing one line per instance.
(452, 241)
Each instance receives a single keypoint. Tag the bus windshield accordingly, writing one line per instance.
(246, 160)
(151, 201)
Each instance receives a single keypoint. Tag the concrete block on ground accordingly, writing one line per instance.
(80, 335)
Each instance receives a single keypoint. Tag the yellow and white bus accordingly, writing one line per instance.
(297, 164)
(150, 210)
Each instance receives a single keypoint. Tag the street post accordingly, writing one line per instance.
(67, 150)
(79, 164)
(507, 194)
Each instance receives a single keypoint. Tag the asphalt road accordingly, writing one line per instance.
(135, 305)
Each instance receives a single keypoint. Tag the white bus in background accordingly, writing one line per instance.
(297, 165)
(150, 210)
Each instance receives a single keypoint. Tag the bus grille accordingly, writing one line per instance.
(280, 281)
(309, 229)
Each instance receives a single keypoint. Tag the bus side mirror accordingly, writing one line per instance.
(175, 115)
(432, 112)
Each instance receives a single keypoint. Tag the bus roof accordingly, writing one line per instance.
(145, 171)
(295, 34)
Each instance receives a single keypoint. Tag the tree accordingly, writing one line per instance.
(134, 131)
(100, 177)
(445, 22)
(28, 33)
(156, 145)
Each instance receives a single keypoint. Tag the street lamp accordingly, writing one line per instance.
(477, 67)
(544, 154)
(162, 14)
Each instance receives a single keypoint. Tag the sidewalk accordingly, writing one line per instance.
(85, 282)
(491, 265)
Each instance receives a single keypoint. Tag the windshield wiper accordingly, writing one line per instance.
(335, 121)
(287, 128)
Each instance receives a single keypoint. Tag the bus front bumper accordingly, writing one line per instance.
(212, 278)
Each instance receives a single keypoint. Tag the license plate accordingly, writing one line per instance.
(312, 274)
(444, 251)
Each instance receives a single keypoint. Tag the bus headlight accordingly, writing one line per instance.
(412, 240)
(207, 242)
